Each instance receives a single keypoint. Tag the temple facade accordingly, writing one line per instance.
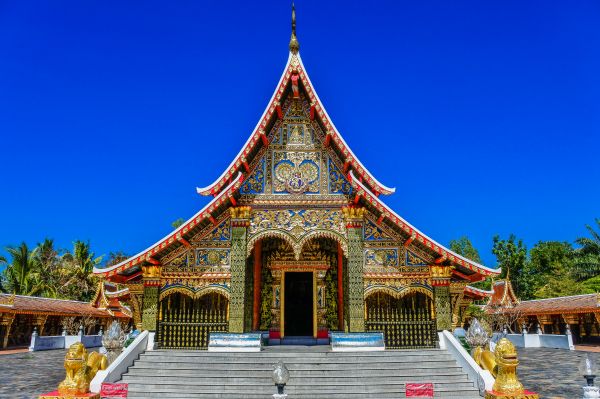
(296, 240)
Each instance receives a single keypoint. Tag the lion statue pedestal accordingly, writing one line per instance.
(80, 368)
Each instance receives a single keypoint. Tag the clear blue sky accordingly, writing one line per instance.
(484, 115)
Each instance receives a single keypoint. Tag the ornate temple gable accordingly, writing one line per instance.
(297, 226)
(412, 259)
(176, 238)
(469, 270)
(293, 83)
(216, 234)
(296, 163)
(374, 232)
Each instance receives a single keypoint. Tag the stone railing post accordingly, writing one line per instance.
(354, 217)
(34, 336)
(240, 220)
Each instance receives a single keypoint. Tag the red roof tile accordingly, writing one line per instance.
(32, 305)
(565, 304)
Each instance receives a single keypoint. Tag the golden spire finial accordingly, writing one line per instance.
(294, 45)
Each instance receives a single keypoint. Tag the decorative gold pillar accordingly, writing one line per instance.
(151, 279)
(240, 220)
(457, 296)
(440, 279)
(39, 321)
(136, 291)
(6, 321)
(356, 305)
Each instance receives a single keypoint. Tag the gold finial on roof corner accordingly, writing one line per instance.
(294, 44)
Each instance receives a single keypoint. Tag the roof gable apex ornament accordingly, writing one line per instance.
(294, 44)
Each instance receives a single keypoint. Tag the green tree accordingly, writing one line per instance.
(177, 223)
(590, 285)
(549, 270)
(2, 282)
(115, 258)
(464, 247)
(47, 269)
(79, 265)
(18, 273)
(511, 255)
(587, 258)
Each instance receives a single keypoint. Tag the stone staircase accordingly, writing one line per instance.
(315, 373)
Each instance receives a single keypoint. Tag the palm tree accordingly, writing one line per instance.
(2, 262)
(18, 273)
(587, 259)
(80, 264)
(47, 268)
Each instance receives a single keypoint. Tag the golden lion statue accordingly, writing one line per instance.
(81, 368)
(507, 362)
(486, 359)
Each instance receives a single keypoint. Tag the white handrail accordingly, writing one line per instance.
(116, 369)
(482, 378)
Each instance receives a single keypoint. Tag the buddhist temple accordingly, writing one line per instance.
(296, 240)
(578, 314)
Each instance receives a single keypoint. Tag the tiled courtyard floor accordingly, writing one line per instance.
(26, 375)
(553, 373)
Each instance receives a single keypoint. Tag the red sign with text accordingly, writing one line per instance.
(113, 390)
(419, 390)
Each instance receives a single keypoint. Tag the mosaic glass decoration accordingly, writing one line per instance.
(338, 184)
(212, 257)
(220, 233)
(413, 259)
(387, 257)
(372, 232)
(255, 183)
(296, 172)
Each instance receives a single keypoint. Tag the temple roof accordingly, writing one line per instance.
(294, 66)
(417, 236)
(293, 79)
(503, 294)
(176, 236)
(565, 304)
(477, 293)
(37, 305)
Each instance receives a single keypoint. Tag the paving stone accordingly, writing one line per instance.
(26, 375)
(29, 374)
(552, 373)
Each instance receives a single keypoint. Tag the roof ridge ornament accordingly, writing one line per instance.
(294, 44)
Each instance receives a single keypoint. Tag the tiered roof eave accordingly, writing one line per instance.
(176, 235)
(415, 234)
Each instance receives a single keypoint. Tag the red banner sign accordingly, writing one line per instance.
(113, 390)
(419, 390)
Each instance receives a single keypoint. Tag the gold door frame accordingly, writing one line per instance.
(282, 301)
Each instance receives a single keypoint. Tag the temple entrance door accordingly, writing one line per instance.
(298, 304)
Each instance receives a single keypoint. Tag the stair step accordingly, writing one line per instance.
(265, 378)
(309, 371)
(314, 373)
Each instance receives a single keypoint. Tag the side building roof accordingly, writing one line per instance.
(22, 304)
